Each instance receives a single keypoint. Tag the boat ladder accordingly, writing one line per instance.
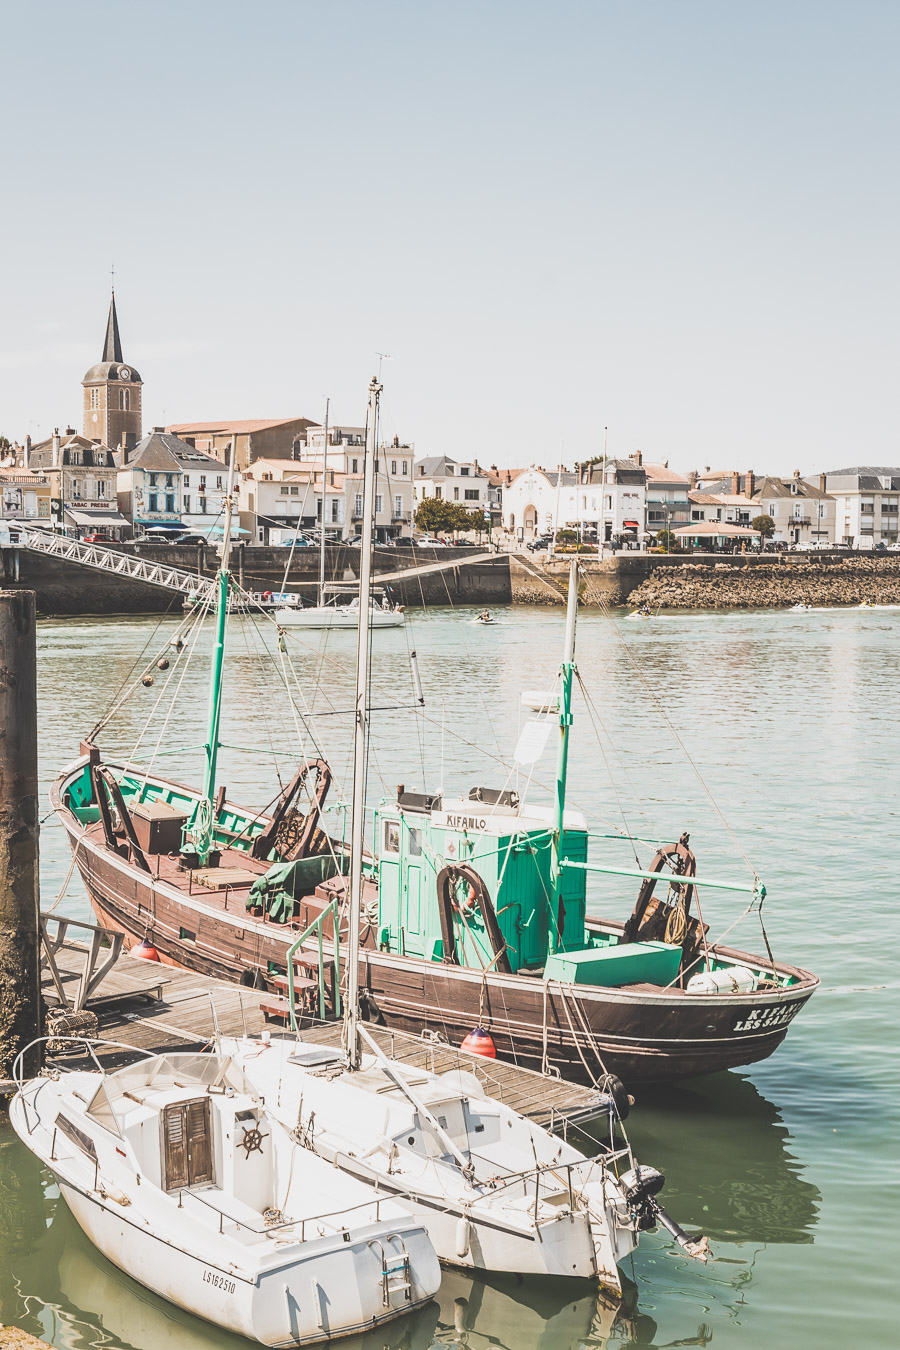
(395, 1271)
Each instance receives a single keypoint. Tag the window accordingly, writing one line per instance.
(393, 466)
(187, 504)
(391, 836)
(152, 480)
(219, 482)
(355, 464)
(95, 398)
(284, 489)
(888, 504)
(101, 488)
(415, 843)
(170, 480)
(357, 510)
(455, 493)
(398, 506)
(295, 491)
(187, 480)
(449, 468)
(464, 471)
(170, 503)
(472, 494)
(421, 470)
(125, 399)
(203, 505)
(335, 510)
(203, 482)
(406, 466)
(151, 503)
(379, 503)
(437, 493)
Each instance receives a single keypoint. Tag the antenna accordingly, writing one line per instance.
(112, 273)
(382, 356)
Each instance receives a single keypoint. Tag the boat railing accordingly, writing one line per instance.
(272, 1229)
(330, 911)
(756, 889)
(511, 1179)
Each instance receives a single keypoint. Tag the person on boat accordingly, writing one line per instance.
(644, 609)
(485, 616)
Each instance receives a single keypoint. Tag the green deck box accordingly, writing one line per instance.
(609, 967)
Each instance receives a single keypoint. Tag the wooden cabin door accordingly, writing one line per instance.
(187, 1144)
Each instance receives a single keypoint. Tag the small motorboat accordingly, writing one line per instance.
(867, 604)
(183, 1178)
(485, 617)
(496, 1191)
(799, 608)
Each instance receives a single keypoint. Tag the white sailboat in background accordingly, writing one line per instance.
(497, 1192)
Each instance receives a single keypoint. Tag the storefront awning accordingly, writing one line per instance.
(172, 524)
(630, 524)
(96, 517)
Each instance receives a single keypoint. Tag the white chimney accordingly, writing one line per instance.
(55, 459)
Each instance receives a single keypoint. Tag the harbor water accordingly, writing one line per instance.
(772, 735)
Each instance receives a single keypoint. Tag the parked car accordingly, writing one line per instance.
(297, 541)
(191, 538)
(98, 537)
(537, 545)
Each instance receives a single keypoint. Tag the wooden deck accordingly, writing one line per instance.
(154, 1007)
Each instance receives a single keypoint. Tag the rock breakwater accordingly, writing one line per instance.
(739, 585)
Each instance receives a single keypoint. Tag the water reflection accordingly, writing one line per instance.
(725, 1151)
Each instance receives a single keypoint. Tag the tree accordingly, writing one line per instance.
(764, 524)
(440, 517)
(667, 540)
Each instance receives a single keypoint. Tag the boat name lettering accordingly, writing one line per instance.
(460, 822)
(759, 1019)
(218, 1281)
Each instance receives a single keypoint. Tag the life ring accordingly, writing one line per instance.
(467, 905)
(267, 595)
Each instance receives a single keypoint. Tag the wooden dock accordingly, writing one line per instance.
(153, 1007)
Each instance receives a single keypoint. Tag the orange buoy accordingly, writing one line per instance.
(479, 1042)
(145, 951)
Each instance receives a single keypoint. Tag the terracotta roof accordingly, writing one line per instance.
(235, 428)
(705, 499)
(660, 473)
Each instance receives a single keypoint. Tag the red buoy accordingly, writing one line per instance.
(479, 1042)
(145, 951)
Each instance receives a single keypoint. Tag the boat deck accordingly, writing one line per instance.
(154, 1007)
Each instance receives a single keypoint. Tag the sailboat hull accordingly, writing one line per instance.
(642, 1034)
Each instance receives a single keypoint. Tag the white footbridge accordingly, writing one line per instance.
(104, 559)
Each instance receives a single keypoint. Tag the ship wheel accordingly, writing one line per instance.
(252, 1140)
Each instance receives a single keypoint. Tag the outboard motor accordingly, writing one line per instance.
(641, 1185)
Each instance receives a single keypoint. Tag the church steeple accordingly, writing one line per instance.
(112, 348)
(112, 393)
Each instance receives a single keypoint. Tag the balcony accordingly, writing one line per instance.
(794, 521)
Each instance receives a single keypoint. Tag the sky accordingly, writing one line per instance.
(667, 224)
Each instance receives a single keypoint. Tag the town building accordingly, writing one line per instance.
(112, 393)
(668, 503)
(394, 460)
(259, 438)
(605, 498)
(498, 480)
(82, 475)
(451, 480)
(803, 513)
(166, 483)
(24, 495)
(866, 504)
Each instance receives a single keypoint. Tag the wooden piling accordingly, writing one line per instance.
(20, 1019)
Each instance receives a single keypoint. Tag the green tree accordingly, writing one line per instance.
(440, 517)
(667, 540)
(5, 443)
(764, 524)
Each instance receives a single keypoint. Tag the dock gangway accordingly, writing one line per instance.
(104, 559)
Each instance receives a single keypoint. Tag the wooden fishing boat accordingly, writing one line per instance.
(475, 908)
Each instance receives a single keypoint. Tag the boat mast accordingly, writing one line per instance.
(204, 825)
(322, 521)
(567, 671)
(351, 1008)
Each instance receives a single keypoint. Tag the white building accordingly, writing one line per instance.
(608, 497)
(452, 480)
(166, 482)
(866, 504)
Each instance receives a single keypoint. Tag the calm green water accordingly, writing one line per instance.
(791, 719)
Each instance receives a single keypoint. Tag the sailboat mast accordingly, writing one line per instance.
(351, 1015)
(204, 826)
(567, 671)
(322, 521)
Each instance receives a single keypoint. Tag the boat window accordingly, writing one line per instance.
(391, 836)
(415, 843)
(76, 1136)
(101, 1109)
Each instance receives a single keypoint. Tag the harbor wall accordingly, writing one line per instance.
(67, 589)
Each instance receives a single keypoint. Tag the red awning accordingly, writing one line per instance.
(630, 524)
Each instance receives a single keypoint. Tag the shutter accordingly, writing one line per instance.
(175, 1147)
(200, 1167)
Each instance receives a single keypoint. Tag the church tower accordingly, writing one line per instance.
(112, 393)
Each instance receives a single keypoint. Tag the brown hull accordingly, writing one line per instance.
(640, 1033)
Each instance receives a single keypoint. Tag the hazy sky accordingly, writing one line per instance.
(674, 218)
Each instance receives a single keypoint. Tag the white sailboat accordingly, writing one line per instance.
(497, 1192)
(180, 1175)
(341, 611)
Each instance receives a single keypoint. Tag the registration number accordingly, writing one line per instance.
(219, 1281)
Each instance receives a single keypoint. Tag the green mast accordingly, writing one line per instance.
(567, 671)
(204, 824)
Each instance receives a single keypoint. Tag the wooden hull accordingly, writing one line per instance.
(641, 1033)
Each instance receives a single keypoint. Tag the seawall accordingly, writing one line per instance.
(68, 589)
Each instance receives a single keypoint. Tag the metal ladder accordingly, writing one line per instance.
(395, 1271)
